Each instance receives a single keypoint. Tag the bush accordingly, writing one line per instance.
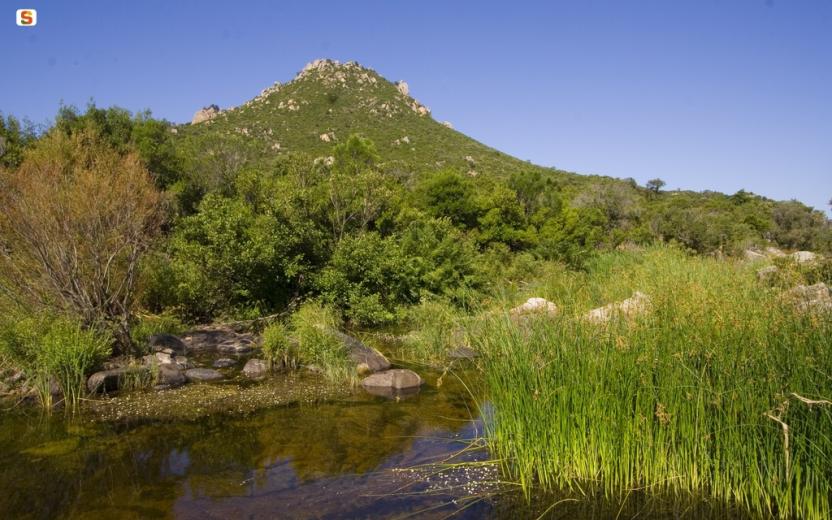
(368, 279)
(55, 350)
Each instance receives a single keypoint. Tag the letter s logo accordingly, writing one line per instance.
(27, 17)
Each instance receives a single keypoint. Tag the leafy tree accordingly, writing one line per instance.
(15, 138)
(448, 194)
(655, 185)
(368, 278)
(77, 217)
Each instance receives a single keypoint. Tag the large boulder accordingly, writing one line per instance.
(774, 252)
(540, 306)
(366, 359)
(808, 298)
(167, 343)
(205, 114)
(219, 338)
(256, 368)
(203, 375)
(637, 304)
(392, 382)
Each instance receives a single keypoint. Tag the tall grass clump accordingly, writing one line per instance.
(278, 348)
(721, 391)
(55, 351)
(436, 327)
(314, 328)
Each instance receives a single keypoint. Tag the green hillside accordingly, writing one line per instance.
(335, 100)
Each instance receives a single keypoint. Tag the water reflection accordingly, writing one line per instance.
(310, 461)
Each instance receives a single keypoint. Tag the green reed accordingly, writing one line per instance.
(707, 395)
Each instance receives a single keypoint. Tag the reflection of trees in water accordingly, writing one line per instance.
(142, 471)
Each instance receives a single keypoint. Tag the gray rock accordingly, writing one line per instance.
(200, 375)
(803, 257)
(752, 255)
(774, 252)
(224, 363)
(366, 359)
(392, 382)
(183, 363)
(205, 114)
(540, 306)
(167, 343)
(638, 303)
(111, 380)
(810, 298)
(256, 368)
(235, 347)
(169, 376)
(209, 339)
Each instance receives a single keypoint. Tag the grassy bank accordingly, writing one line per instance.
(705, 395)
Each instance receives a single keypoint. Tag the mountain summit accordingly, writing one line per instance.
(327, 101)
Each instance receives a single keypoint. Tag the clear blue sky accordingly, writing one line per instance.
(705, 94)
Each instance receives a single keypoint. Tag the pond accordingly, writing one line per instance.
(350, 456)
(355, 457)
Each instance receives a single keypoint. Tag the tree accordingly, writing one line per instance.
(655, 185)
(77, 216)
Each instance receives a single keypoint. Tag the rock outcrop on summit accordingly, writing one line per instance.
(205, 114)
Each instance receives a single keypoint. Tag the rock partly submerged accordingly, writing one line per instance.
(256, 368)
(390, 383)
(203, 375)
(366, 359)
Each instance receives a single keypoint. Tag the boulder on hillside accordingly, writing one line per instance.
(535, 306)
(810, 298)
(774, 252)
(638, 303)
(803, 257)
(205, 114)
(393, 382)
(366, 359)
(403, 88)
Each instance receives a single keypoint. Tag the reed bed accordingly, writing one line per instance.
(720, 391)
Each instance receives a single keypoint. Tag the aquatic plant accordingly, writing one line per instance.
(55, 352)
(721, 391)
(313, 327)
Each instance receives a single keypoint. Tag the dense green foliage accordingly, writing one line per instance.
(705, 394)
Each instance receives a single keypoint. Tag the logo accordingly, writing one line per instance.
(27, 17)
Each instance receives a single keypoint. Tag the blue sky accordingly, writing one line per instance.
(705, 94)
